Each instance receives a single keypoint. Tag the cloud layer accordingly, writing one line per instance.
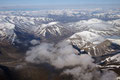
(62, 55)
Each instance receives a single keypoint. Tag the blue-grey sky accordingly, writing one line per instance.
(55, 2)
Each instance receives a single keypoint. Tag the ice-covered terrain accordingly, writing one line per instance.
(85, 39)
(7, 31)
(88, 29)
(91, 47)
(40, 27)
(103, 28)
(88, 34)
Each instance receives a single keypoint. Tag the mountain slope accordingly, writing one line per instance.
(7, 31)
(82, 38)
(93, 44)
(103, 28)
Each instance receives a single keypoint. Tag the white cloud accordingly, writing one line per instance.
(63, 55)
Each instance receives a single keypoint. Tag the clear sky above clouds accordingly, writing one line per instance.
(55, 2)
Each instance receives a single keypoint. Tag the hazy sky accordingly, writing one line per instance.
(55, 2)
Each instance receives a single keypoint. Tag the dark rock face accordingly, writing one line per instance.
(6, 73)
(104, 48)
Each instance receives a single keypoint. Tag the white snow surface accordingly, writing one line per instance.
(115, 58)
(87, 36)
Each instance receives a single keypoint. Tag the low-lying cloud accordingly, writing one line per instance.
(63, 55)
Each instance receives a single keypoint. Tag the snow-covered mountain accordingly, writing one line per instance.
(93, 32)
(84, 37)
(52, 31)
(93, 44)
(7, 31)
(115, 58)
(103, 28)
(88, 33)
(115, 22)
(43, 28)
